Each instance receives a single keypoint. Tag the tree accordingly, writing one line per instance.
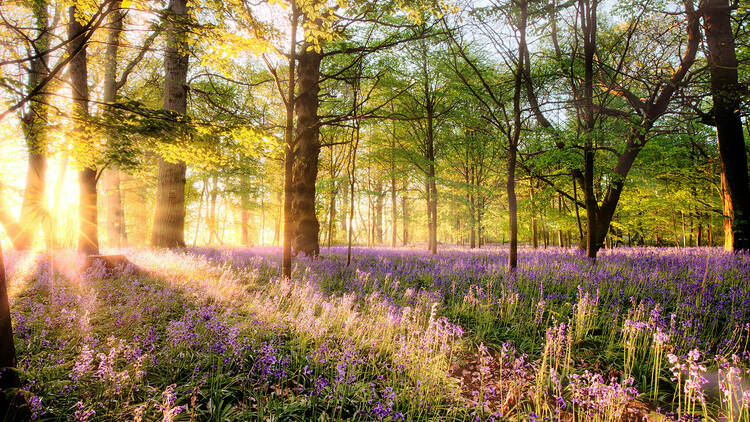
(726, 92)
(425, 107)
(611, 88)
(88, 233)
(8, 377)
(306, 152)
(169, 218)
(115, 217)
(480, 81)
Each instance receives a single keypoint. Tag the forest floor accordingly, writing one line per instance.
(216, 334)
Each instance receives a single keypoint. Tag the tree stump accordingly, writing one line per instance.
(112, 264)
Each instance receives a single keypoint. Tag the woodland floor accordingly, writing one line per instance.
(216, 334)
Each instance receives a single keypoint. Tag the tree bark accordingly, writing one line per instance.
(394, 214)
(289, 149)
(379, 205)
(204, 193)
(88, 238)
(307, 150)
(432, 203)
(245, 221)
(169, 217)
(405, 217)
(430, 182)
(8, 377)
(331, 217)
(34, 126)
(213, 228)
(726, 92)
(480, 212)
(513, 141)
(116, 233)
(277, 221)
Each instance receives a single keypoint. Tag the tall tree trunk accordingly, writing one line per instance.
(430, 183)
(88, 236)
(433, 208)
(480, 206)
(277, 221)
(405, 216)
(289, 149)
(513, 142)
(138, 193)
(534, 222)
(262, 233)
(331, 216)
(379, 205)
(34, 125)
(560, 242)
(726, 92)
(469, 178)
(169, 217)
(352, 175)
(510, 188)
(728, 213)
(8, 377)
(213, 234)
(394, 214)
(116, 233)
(204, 193)
(305, 169)
(588, 16)
(245, 221)
(472, 223)
(581, 244)
(245, 212)
(352, 163)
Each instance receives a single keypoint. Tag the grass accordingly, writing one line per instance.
(215, 334)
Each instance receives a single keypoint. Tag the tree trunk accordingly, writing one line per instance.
(469, 178)
(8, 377)
(728, 212)
(307, 150)
(116, 233)
(379, 205)
(277, 222)
(578, 215)
(331, 216)
(88, 239)
(430, 182)
(262, 233)
(138, 193)
(405, 216)
(204, 193)
(169, 217)
(394, 216)
(479, 222)
(512, 209)
(433, 208)
(560, 242)
(245, 212)
(289, 150)
(352, 163)
(34, 125)
(513, 143)
(213, 234)
(472, 223)
(726, 92)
